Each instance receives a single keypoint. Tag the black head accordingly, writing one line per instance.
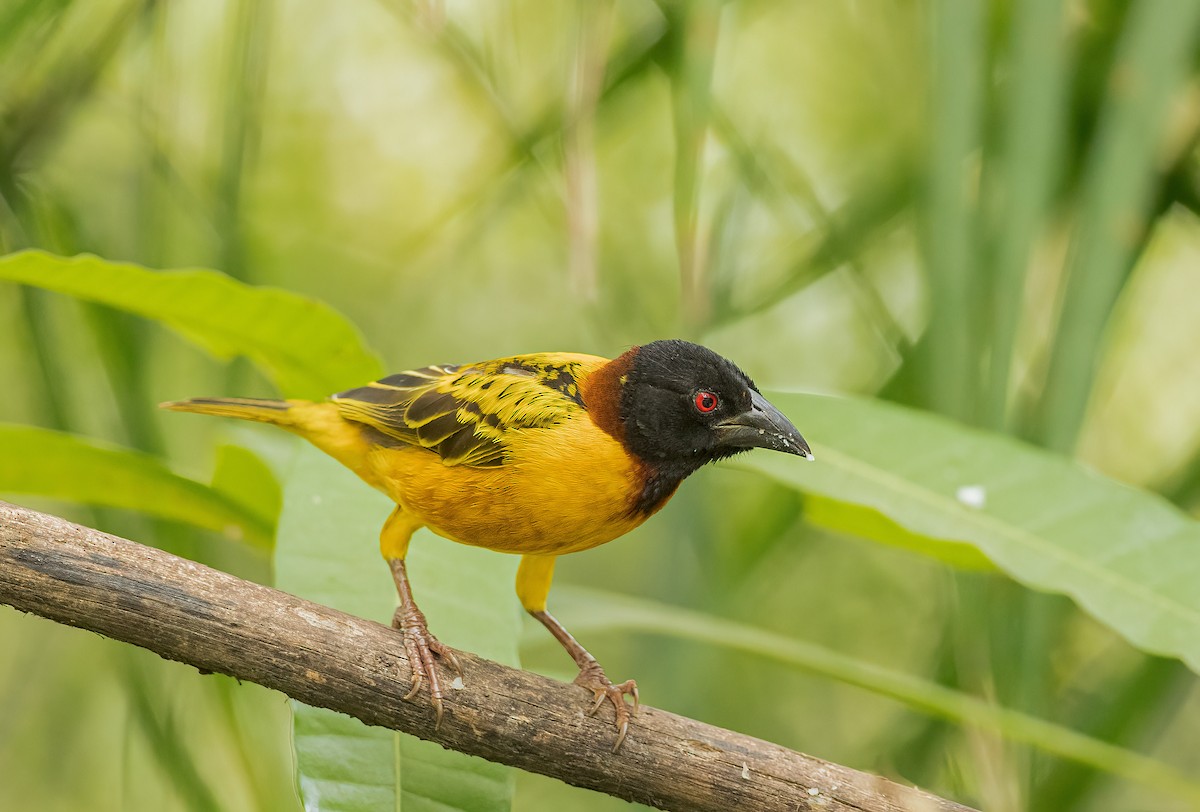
(682, 406)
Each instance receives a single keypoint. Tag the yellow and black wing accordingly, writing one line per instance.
(468, 413)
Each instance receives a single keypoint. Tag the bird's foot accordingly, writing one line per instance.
(422, 647)
(593, 678)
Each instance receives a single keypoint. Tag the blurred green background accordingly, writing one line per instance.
(983, 209)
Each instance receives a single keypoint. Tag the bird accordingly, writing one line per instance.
(538, 455)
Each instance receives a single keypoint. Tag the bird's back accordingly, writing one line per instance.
(501, 454)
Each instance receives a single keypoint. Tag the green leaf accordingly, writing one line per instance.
(588, 610)
(328, 552)
(304, 346)
(242, 476)
(1129, 558)
(56, 465)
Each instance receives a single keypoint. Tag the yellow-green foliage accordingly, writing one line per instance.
(983, 210)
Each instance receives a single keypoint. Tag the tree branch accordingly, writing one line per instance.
(216, 622)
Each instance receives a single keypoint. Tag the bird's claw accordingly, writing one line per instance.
(593, 678)
(421, 648)
(416, 683)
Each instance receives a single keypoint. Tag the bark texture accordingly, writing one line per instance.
(216, 622)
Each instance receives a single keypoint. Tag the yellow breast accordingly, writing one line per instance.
(563, 489)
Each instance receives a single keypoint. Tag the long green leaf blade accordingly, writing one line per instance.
(1129, 558)
(56, 465)
(328, 552)
(304, 346)
(596, 611)
(1027, 169)
(956, 122)
(1157, 49)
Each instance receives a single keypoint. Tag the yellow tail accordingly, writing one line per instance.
(279, 412)
(319, 423)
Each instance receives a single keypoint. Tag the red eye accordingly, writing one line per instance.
(705, 402)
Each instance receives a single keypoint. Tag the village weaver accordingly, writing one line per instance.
(538, 455)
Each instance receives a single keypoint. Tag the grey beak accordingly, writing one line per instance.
(763, 426)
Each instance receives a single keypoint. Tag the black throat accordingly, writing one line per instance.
(663, 477)
(657, 488)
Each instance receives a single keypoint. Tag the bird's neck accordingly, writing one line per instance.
(601, 392)
(656, 488)
(659, 481)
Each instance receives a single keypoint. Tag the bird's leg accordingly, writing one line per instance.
(592, 677)
(420, 645)
(533, 585)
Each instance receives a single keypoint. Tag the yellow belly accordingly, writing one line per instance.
(563, 490)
